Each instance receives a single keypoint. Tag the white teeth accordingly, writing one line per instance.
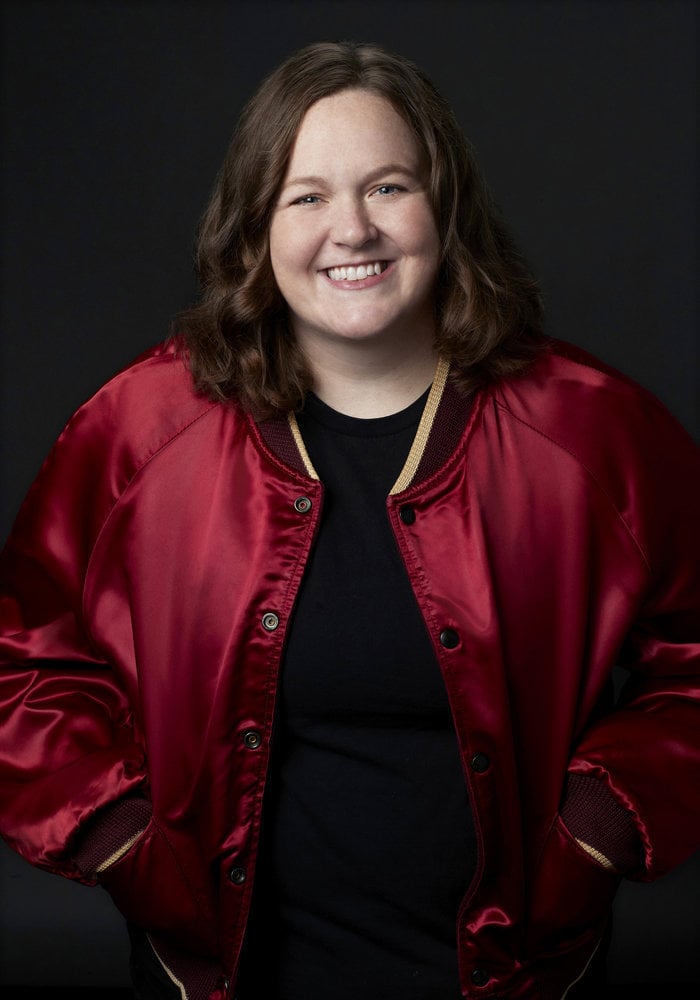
(355, 273)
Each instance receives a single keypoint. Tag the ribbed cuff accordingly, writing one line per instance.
(200, 976)
(592, 814)
(108, 830)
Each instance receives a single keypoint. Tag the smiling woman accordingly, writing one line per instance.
(314, 608)
(355, 194)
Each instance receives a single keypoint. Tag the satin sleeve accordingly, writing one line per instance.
(647, 750)
(67, 746)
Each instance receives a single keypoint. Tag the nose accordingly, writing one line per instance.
(352, 225)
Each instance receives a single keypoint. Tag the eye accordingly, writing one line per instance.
(307, 199)
(389, 189)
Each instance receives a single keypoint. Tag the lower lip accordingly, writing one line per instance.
(360, 283)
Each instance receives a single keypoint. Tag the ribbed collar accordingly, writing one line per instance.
(441, 425)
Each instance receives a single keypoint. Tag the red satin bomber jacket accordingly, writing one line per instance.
(550, 529)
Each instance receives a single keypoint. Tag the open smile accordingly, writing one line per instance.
(357, 272)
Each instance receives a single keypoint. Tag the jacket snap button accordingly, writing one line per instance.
(479, 977)
(407, 515)
(302, 505)
(480, 762)
(237, 876)
(270, 621)
(252, 739)
(449, 638)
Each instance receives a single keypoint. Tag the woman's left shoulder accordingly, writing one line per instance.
(586, 405)
(571, 411)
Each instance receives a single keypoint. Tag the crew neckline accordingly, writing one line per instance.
(315, 409)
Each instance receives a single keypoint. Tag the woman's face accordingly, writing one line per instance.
(353, 240)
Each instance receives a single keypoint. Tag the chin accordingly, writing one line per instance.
(361, 334)
(368, 327)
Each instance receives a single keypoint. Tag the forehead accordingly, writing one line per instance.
(350, 125)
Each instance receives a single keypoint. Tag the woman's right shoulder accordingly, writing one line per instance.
(155, 388)
(114, 434)
(146, 404)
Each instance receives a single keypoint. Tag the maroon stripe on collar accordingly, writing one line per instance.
(277, 435)
(448, 426)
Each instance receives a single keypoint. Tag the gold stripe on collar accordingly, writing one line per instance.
(424, 427)
(299, 441)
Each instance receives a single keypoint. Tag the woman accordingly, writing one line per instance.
(318, 626)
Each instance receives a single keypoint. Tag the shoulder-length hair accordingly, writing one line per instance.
(240, 345)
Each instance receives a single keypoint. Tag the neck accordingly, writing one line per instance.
(371, 380)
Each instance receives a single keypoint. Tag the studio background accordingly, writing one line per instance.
(115, 119)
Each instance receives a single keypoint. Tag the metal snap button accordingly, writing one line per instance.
(302, 505)
(270, 621)
(407, 514)
(237, 876)
(480, 762)
(449, 638)
(252, 739)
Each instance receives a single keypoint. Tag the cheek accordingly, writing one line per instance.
(292, 248)
(422, 234)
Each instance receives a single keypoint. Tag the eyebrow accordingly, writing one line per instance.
(387, 168)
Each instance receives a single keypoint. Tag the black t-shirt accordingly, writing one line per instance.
(368, 844)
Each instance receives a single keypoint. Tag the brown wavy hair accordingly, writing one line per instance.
(238, 340)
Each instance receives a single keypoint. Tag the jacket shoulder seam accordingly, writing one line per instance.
(117, 500)
(591, 475)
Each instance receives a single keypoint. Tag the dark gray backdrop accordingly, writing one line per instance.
(115, 118)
